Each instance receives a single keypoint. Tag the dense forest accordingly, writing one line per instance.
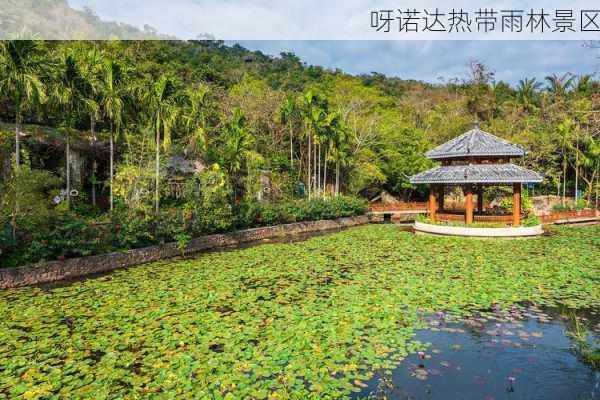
(198, 137)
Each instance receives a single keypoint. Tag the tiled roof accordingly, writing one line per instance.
(475, 143)
(477, 173)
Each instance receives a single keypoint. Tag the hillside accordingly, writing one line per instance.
(56, 20)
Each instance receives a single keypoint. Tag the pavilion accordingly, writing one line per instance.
(474, 160)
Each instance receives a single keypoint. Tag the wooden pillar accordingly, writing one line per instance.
(516, 204)
(441, 198)
(432, 202)
(469, 205)
(480, 198)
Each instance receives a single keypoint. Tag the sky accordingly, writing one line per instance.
(431, 61)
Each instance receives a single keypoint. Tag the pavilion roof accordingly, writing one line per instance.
(475, 143)
(477, 173)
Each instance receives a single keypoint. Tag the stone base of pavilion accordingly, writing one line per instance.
(507, 232)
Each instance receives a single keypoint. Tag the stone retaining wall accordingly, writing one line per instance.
(76, 267)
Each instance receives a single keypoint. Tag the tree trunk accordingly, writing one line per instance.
(576, 169)
(564, 193)
(319, 169)
(315, 168)
(308, 175)
(291, 146)
(68, 169)
(111, 166)
(597, 189)
(325, 173)
(94, 162)
(17, 172)
(337, 177)
(156, 189)
(17, 143)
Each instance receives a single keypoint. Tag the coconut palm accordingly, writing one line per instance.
(21, 71)
(559, 86)
(162, 104)
(584, 85)
(527, 93)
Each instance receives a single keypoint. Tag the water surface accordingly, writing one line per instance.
(522, 354)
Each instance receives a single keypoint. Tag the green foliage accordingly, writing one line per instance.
(570, 206)
(63, 235)
(531, 220)
(311, 319)
(526, 203)
(586, 349)
(211, 209)
(132, 229)
(253, 213)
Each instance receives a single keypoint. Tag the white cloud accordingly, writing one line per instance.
(284, 20)
(309, 19)
(448, 59)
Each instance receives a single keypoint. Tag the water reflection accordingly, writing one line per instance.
(520, 353)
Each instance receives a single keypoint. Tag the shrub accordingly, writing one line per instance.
(253, 213)
(66, 236)
(211, 210)
(132, 229)
(531, 220)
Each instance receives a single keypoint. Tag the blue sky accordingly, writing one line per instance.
(433, 61)
(430, 61)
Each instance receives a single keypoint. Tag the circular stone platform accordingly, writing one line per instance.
(520, 231)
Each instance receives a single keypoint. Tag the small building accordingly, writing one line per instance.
(474, 160)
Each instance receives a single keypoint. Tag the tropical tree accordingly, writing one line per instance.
(194, 118)
(21, 71)
(589, 159)
(584, 85)
(236, 147)
(565, 134)
(91, 70)
(527, 93)
(312, 111)
(558, 86)
(113, 90)
(287, 115)
(339, 151)
(162, 102)
(69, 94)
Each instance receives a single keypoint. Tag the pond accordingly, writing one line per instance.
(316, 319)
(524, 353)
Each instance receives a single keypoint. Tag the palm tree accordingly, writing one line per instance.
(112, 92)
(237, 143)
(527, 92)
(584, 85)
(312, 113)
(91, 70)
(162, 105)
(337, 147)
(558, 86)
(68, 93)
(287, 113)
(21, 70)
(565, 133)
(195, 119)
